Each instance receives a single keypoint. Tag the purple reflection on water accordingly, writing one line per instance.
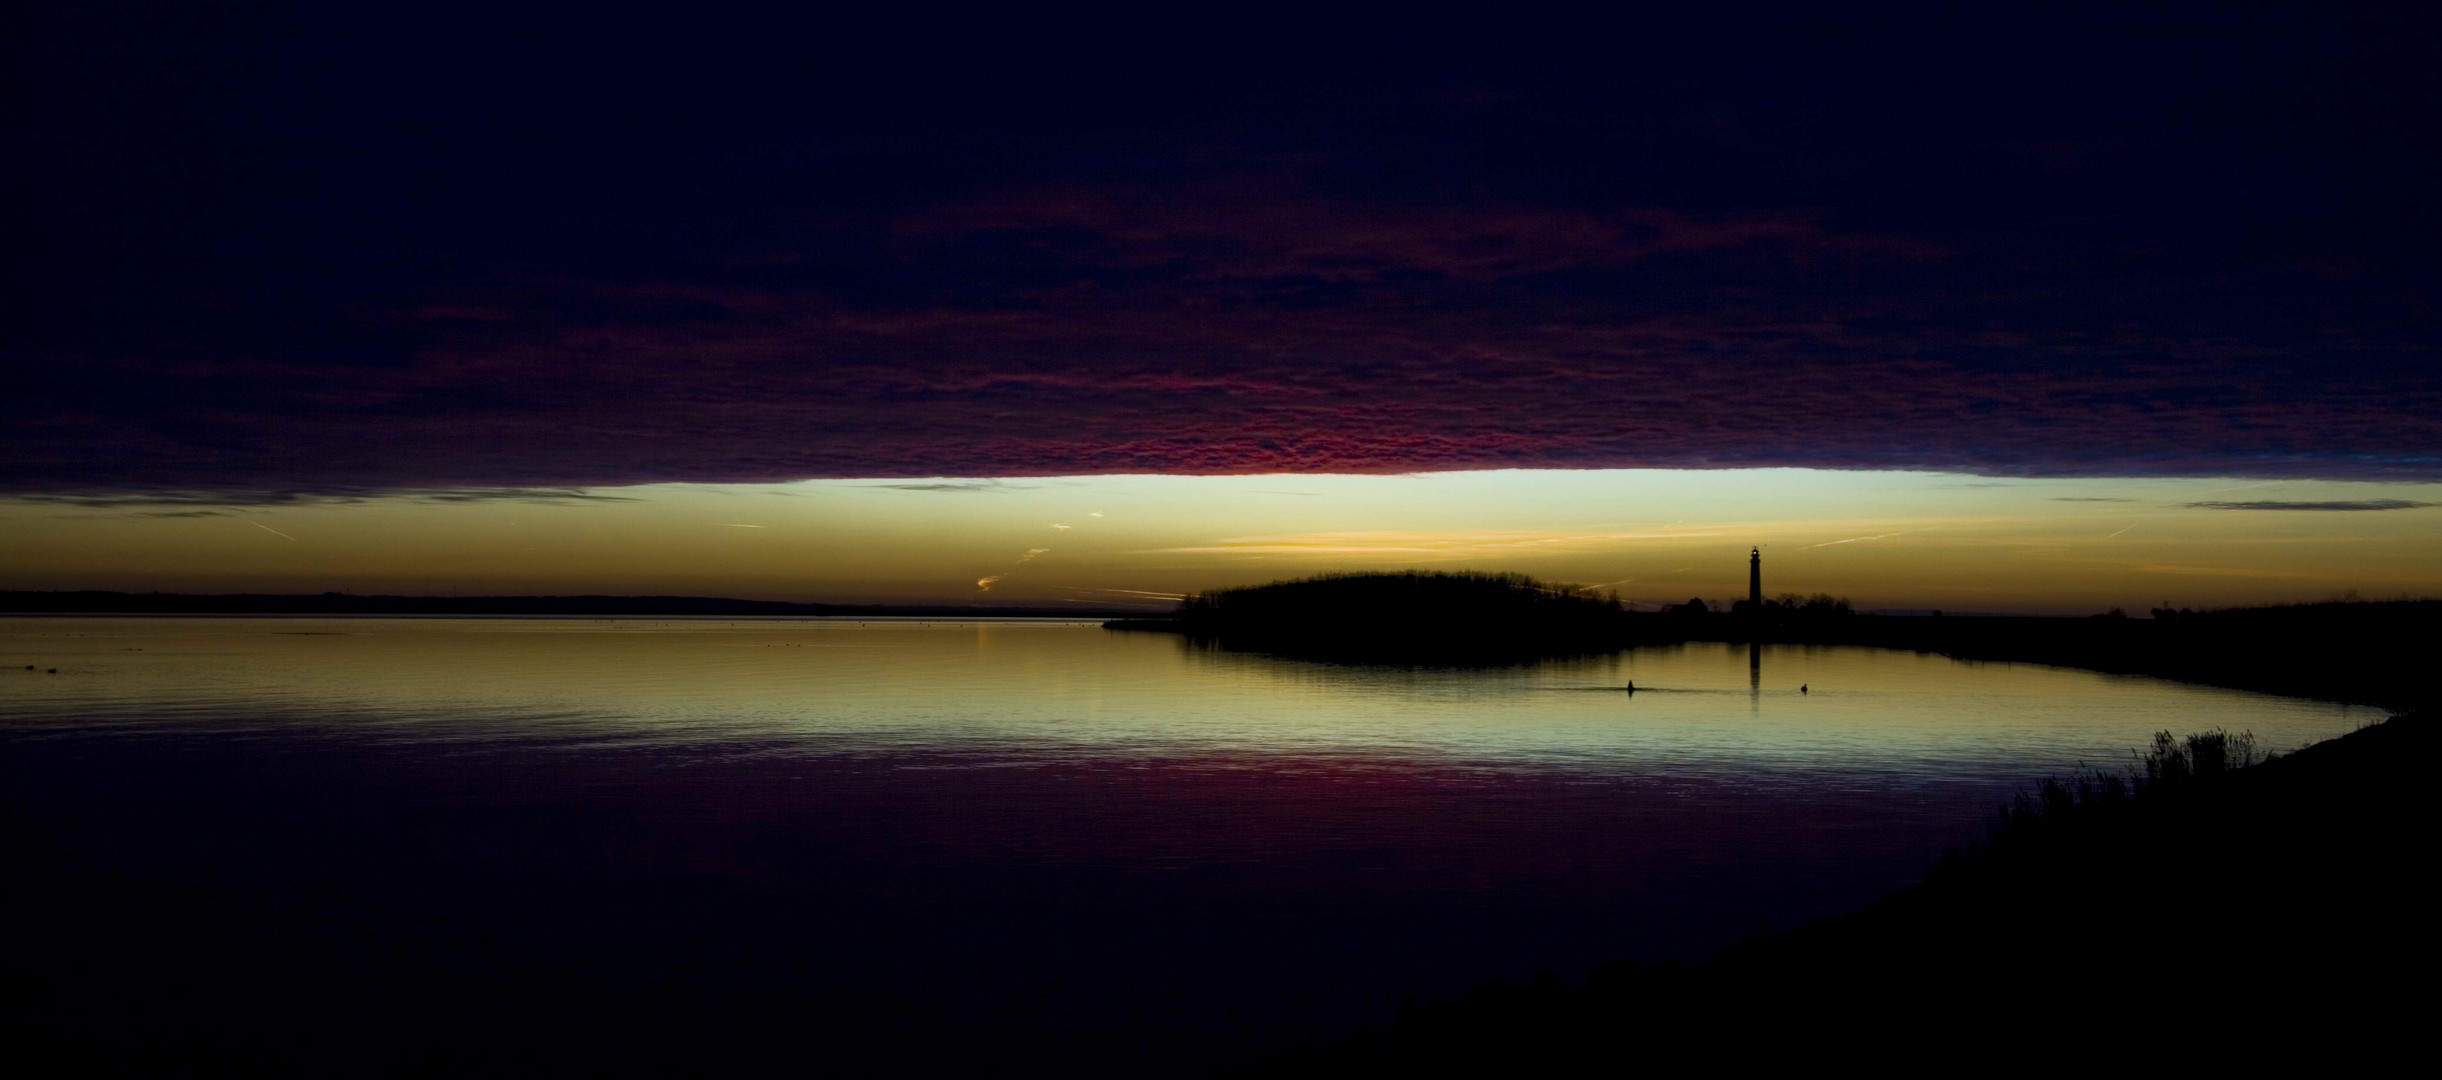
(1112, 867)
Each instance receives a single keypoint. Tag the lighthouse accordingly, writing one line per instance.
(1755, 578)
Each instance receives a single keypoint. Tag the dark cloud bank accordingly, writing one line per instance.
(2344, 505)
(277, 255)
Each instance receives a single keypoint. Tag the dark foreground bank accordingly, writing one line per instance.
(2277, 915)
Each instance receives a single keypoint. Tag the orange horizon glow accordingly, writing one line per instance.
(1886, 540)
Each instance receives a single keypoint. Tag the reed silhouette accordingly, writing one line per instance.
(2197, 910)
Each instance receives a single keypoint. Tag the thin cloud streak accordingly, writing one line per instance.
(1855, 540)
(954, 486)
(1141, 593)
(1454, 544)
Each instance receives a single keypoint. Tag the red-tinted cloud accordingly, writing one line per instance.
(1817, 260)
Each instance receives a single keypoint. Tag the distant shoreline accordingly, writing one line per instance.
(2359, 653)
(96, 602)
(1082, 620)
(2008, 641)
(2357, 665)
(2355, 652)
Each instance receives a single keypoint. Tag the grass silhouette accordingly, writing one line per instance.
(2202, 909)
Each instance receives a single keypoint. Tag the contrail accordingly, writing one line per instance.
(1854, 539)
(735, 525)
(985, 584)
(1591, 588)
(273, 531)
(2123, 528)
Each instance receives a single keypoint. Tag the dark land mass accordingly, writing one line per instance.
(1406, 618)
(2191, 916)
(119, 603)
(2355, 651)
(2370, 652)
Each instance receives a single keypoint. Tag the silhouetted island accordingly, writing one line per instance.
(1415, 617)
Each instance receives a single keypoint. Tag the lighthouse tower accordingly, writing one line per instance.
(1755, 578)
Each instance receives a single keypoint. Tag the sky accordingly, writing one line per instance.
(2072, 306)
(1886, 540)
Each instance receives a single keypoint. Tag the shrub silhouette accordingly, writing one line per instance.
(1415, 616)
(2127, 909)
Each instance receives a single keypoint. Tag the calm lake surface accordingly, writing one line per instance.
(1041, 833)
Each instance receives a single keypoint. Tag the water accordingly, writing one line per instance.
(1040, 828)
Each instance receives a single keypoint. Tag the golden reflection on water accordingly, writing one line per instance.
(1025, 689)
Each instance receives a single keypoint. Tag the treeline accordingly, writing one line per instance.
(1410, 617)
(1435, 617)
(1412, 593)
(2374, 652)
(1787, 607)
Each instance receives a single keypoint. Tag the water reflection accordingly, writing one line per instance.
(1027, 825)
(1033, 689)
(1755, 676)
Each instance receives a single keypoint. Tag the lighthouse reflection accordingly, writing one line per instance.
(1755, 676)
(1755, 612)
